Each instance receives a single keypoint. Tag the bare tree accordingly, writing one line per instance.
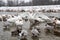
(2, 3)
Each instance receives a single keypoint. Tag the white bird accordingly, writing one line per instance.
(57, 22)
(14, 19)
(42, 16)
(35, 32)
(23, 32)
(32, 17)
(19, 22)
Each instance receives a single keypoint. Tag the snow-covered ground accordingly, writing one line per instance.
(46, 7)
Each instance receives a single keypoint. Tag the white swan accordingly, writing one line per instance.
(57, 22)
(32, 16)
(23, 32)
(14, 19)
(35, 32)
(19, 22)
(3, 18)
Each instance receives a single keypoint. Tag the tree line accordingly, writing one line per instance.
(33, 3)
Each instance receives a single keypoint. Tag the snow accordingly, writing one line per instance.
(55, 7)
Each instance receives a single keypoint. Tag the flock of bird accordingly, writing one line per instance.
(31, 17)
(17, 18)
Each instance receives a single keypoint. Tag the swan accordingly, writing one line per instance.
(57, 21)
(54, 20)
(4, 17)
(32, 17)
(42, 16)
(39, 19)
(34, 31)
(9, 16)
(19, 22)
(23, 33)
(13, 19)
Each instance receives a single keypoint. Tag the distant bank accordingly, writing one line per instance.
(36, 8)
